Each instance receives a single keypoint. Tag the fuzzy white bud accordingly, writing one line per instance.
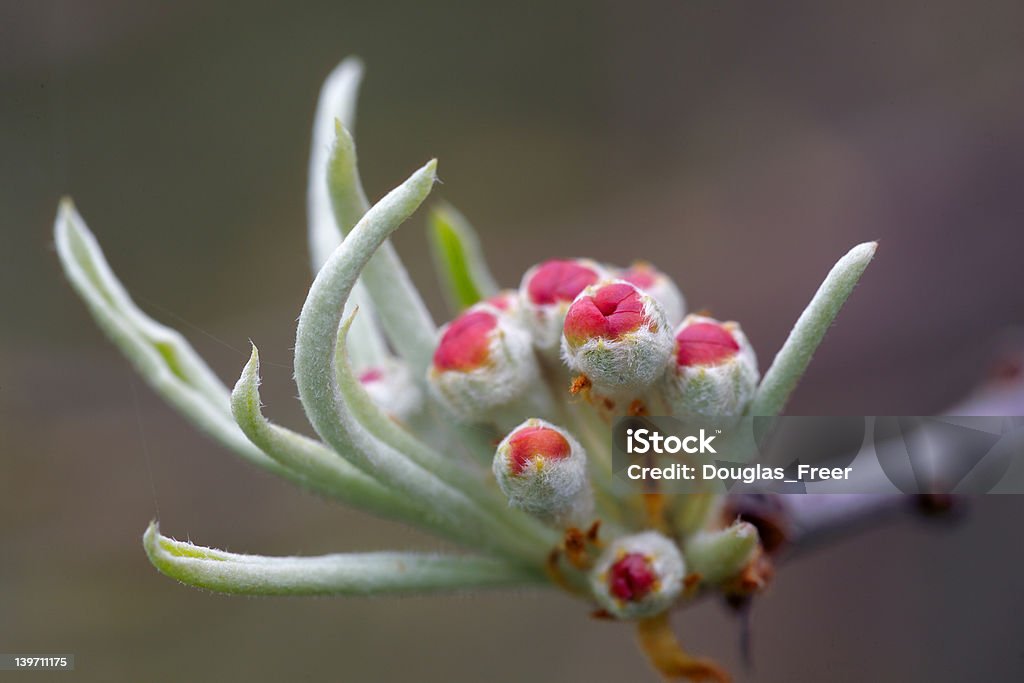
(542, 469)
(638, 576)
(546, 292)
(484, 362)
(660, 286)
(506, 301)
(617, 336)
(714, 371)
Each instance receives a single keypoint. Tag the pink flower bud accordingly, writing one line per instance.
(507, 301)
(631, 577)
(714, 373)
(660, 286)
(535, 444)
(466, 341)
(392, 389)
(704, 344)
(546, 292)
(543, 470)
(638, 576)
(611, 312)
(617, 336)
(484, 362)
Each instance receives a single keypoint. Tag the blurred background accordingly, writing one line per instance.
(740, 147)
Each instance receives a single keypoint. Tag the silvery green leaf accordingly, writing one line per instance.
(340, 574)
(315, 374)
(792, 359)
(459, 259)
(337, 104)
(397, 303)
(332, 473)
(160, 354)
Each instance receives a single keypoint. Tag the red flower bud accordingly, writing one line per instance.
(631, 578)
(466, 342)
(639, 275)
(638, 576)
(617, 336)
(609, 313)
(543, 470)
(504, 300)
(559, 280)
(715, 370)
(545, 293)
(532, 442)
(483, 364)
(660, 286)
(704, 343)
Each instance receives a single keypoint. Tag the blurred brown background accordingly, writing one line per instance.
(741, 147)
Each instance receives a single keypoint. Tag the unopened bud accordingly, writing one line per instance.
(660, 286)
(542, 469)
(638, 576)
(546, 292)
(484, 362)
(617, 336)
(714, 370)
(392, 389)
(506, 301)
(720, 555)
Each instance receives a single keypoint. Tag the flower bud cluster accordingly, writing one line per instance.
(613, 326)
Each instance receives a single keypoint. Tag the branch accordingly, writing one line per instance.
(803, 521)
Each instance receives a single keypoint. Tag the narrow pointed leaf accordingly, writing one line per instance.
(91, 276)
(341, 574)
(397, 303)
(160, 354)
(338, 104)
(459, 259)
(792, 359)
(337, 101)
